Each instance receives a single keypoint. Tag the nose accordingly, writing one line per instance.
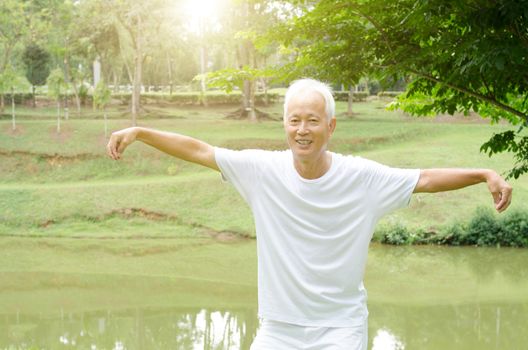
(302, 130)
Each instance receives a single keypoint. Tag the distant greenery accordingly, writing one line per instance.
(483, 229)
(64, 185)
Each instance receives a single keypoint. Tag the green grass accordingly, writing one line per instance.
(64, 185)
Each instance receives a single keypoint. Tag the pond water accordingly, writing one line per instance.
(419, 298)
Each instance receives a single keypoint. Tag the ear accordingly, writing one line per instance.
(332, 125)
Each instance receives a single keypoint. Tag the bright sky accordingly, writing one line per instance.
(205, 11)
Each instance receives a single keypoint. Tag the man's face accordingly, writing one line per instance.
(306, 125)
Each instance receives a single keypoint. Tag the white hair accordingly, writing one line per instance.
(303, 85)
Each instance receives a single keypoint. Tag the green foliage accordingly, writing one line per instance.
(11, 81)
(510, 141)
(396, 235)
(101, 95)
(459, 56)
(20, 98)
(230, 78)
(36, 61)
(485, 228)
(56, 83)
(83, 93)
(195, 98)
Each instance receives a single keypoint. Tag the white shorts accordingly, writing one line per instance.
(273, 335)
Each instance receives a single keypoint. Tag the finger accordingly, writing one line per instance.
(496, 197)
(504, 201)
(109, 150)
(121, 148)
(115, 153)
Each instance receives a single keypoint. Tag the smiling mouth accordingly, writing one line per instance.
(303, 142)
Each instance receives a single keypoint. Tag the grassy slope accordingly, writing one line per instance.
(64, 185)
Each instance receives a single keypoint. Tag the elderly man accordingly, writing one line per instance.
(315, 212)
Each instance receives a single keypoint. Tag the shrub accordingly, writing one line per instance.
(452, 235)
(20, 98)
(515, 229)
(394, 234)
(389, 93)
(485, 228)
(359, 96)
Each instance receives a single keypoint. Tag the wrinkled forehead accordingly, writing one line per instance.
(306, 100)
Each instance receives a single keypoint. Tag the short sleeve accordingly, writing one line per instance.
(239, 169)
(390, 188)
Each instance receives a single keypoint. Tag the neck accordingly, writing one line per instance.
(313, 168)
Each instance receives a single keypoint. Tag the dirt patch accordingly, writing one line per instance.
(242, 114)
(8, 130)
(129, 213)
(46, 223)
(52, 159)
(64, 135)
(228, 236)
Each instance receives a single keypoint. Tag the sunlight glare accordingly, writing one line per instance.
(202, 12)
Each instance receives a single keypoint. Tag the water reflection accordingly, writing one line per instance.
(132, 329)
(474, 326)
(419, 298)
(384, 339)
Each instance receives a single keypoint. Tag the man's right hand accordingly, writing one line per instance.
(120, 140)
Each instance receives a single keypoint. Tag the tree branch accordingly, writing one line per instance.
(491, 100)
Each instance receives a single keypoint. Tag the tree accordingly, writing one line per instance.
(36, 61)
(12, 82)
(228, 79)
(460, 56)
(101, 97)
(56, 85)
(326, 53)
(68, 45)
(137, 24)
(244, 22)
(12, 29)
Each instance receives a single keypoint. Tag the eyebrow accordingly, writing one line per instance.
(310, 115)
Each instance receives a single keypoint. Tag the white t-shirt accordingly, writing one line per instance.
(313, 235)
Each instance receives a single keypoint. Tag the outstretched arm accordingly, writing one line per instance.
(180, 146)
(438, 180)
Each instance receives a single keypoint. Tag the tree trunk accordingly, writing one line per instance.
(252, 115)
(13, 109)
(67, 81)
(350, 100)
(114, 76)
(105, 122)
(66, 110)
(245, 60)
(58, 116)
(202, 72)
(74, 87)
(169, 70)
(138, 61)
(34, 103)
(2, 104)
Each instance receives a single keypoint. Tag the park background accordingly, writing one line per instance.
(152, 252)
